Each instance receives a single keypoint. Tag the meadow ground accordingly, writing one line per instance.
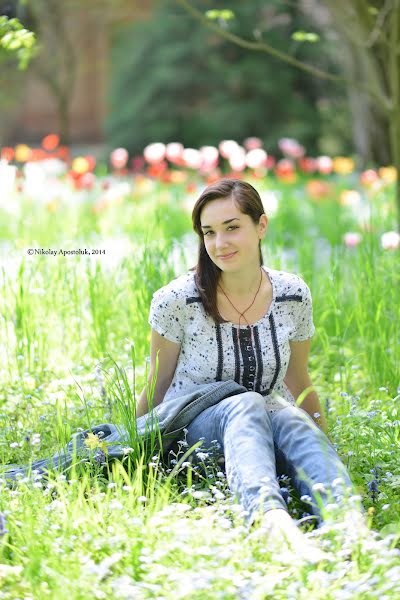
(74, 353)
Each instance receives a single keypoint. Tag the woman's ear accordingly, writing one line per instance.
(263, 225)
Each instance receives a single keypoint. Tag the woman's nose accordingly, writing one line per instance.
(220, 240)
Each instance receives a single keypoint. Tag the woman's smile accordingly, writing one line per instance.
(227, 256)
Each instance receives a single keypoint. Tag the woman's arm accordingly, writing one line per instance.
(168, 353)
(297, 380)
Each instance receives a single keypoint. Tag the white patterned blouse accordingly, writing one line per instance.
(256, 359)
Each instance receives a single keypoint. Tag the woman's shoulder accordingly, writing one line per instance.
(287, 283)
(180, 288)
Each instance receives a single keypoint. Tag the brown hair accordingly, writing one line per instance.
(206, 272)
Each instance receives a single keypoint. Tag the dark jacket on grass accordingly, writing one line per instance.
(168, 418)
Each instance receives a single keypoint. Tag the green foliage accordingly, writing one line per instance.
(175, 80)
(16, 41)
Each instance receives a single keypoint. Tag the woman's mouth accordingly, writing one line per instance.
(227, 256)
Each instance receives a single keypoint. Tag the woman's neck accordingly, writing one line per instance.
(241, 284)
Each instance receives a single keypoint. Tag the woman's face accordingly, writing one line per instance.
(231, 238)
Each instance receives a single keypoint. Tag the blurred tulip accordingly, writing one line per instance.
(154, 153)
(270, 162)
(91, 161)
(119, 158)
(80, 165)
(237, 160)
(7, 154)
(22, 153)
(324, 165)
(369, 177)
(350, 198)
(227, 148)
(307, 164)
(256, 158)
(157, 169)
(50, 142)
(291, 148)
(352, 239)
(137, 163)
(284, 168)
(251, 143)
(178, 176)
(210, 157)
(209, 154)
(318, 189)
(390, 240)
(192, 158)
(343, 165)
(173, 152)
(388, 174)
(88, 180)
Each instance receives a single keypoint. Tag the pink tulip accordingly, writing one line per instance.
(324, 165)
(154, 153)
(192, 158)
(237, 160)
(291, 148)
(352, 239)
(119, 158)
(390, 240)
(256, 158)
(173, 152)
(209, 154)
(251, 143)
(227, 148)
(369, 177)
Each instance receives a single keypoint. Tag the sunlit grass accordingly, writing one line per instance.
(75, 340)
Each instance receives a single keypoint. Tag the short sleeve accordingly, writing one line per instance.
(167, 314)
(304, 325)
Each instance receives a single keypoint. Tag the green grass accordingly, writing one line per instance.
(74, 353)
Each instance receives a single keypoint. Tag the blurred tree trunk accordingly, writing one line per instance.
(371, 35)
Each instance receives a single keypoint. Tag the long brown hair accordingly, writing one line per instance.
(206, 272)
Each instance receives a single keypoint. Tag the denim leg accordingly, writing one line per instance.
(305, 453)
(242, 426)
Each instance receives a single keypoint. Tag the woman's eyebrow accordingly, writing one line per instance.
(223, 223)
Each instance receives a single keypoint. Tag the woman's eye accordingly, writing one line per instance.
(231, 227)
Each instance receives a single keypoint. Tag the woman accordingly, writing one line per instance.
(232, 318)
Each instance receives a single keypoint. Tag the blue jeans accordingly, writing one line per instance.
(258, 446)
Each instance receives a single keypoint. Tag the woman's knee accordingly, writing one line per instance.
(292, 415)
(247, 402)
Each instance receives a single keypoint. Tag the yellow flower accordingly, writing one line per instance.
(388, 174)
(92, 441)
(343, 165)
(371, 511)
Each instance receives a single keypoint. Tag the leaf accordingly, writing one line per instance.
(304, 36)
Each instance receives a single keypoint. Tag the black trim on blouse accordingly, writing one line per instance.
(236, 351)
(259, 360)
(295, 297)
(193, 299)
(220, 351)
(249, 358)
(276, 351)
